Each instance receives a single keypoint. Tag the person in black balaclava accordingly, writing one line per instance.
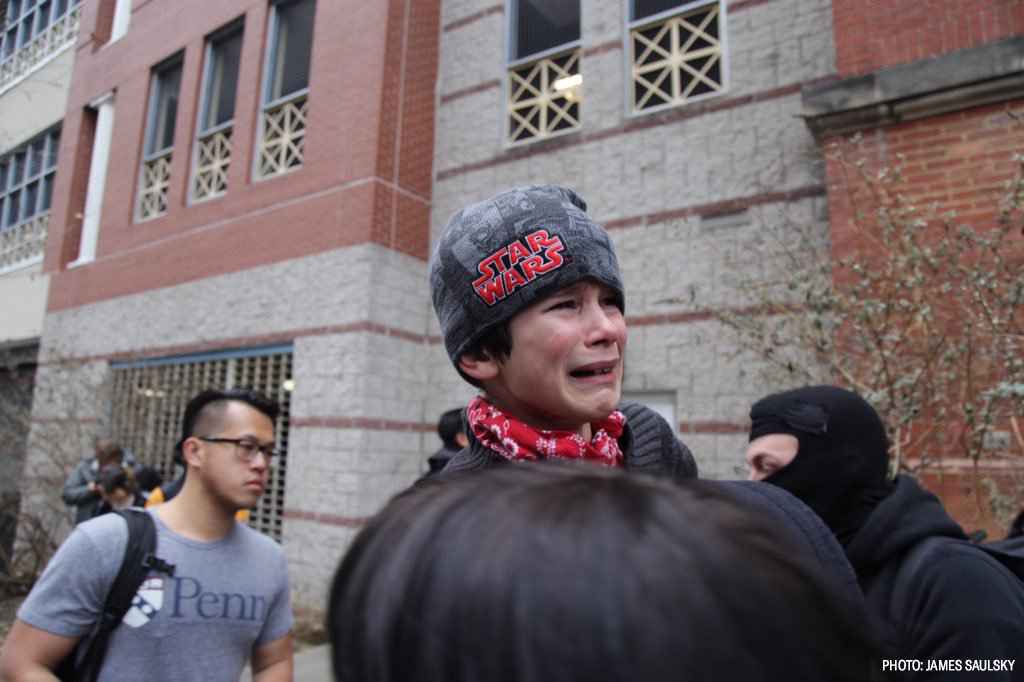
(936, 597)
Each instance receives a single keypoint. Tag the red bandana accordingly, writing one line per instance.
(514, 440)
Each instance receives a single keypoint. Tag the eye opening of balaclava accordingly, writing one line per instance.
(841, 466)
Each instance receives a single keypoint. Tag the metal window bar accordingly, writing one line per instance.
(677, 59)
(149, 402)
(544, 97)
(283, 135)
(31, 48)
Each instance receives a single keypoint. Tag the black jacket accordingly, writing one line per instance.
(650, 446)
(439, 460)
(947, 600)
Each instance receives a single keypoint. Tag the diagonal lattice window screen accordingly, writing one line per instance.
(677, 59)
(149, 400)
(544, 97)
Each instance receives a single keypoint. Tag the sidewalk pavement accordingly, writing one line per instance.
(312, 664)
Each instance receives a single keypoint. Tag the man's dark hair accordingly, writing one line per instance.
(449, 426)
(579, 573)
(209, 404)
(148, 478)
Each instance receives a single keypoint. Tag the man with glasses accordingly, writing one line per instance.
(225, 604)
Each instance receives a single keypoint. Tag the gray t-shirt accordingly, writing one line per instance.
(225, 599)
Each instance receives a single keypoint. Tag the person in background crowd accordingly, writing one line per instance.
(118, 489)
(588, 574)
(224, 603)
(81, 491)
(939, 597)
(453, 439)
(147, 478)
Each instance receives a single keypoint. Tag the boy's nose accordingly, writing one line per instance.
(602, 326)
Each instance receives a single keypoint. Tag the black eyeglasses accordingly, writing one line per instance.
(246, 449)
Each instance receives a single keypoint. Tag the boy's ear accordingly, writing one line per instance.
(481, 367)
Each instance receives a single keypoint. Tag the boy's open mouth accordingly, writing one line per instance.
(593, 370)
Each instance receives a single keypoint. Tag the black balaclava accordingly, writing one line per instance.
(840, 469)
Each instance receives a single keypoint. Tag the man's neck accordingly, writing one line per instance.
(195, 515)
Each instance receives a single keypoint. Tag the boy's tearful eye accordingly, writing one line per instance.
(567, 304)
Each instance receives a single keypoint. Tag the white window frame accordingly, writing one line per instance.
(665, 403)
(23, 241)
(514, 62)
(630, 24)
(37, 24)
(46, 37)
(50, 139)
(266, 83)
(236, 27)
(151, 155)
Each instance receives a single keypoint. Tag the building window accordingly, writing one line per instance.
(544, 81)
(32, 31)
(676, 52)
(26, 190)
(216, 114)
(286, 88)
(149, 400)
(159, 143)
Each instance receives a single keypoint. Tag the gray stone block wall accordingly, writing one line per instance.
(333, 288)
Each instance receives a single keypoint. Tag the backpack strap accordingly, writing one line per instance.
(139, 559)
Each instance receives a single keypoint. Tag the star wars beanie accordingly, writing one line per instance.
(497, 257)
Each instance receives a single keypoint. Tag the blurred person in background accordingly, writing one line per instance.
(118, 489)
(81, 492)
(453, 439)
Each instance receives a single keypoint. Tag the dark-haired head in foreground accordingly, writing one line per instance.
(547, 572)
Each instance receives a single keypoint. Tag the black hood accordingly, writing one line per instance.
(908, 515)
(840, 469)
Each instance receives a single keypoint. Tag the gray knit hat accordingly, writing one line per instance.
(497, 257)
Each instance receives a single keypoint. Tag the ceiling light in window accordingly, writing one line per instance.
(568, 82)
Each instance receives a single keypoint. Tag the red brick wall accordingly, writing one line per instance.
(102, 23)
(367, 170)
(966, 497)
(959, 160)
(873, 34)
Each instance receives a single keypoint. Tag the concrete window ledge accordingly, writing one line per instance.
(958, 80)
